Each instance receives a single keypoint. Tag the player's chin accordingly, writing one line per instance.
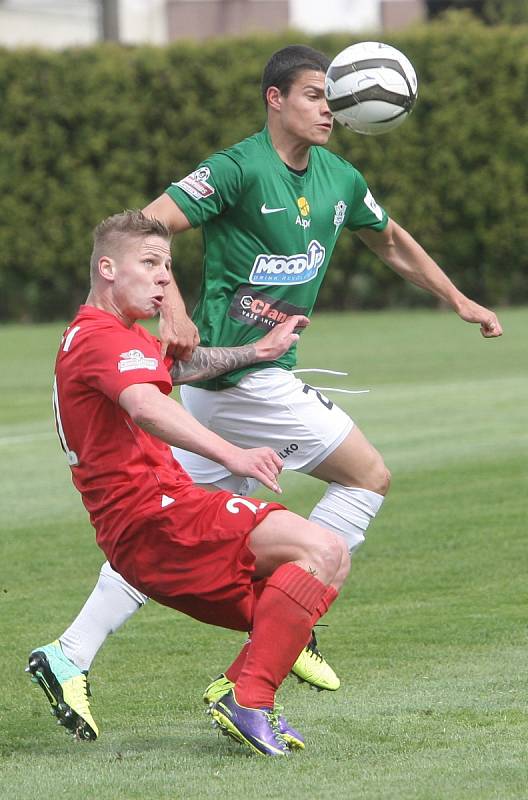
(321, 134)
(147, 312)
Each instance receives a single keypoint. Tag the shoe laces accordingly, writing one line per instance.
(82, 692)
(273, 717)
(331, 388)
(88, 689)
(312, 649)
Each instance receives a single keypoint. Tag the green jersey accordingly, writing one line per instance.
(268, 236)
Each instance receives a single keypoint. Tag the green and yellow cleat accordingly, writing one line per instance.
(66, 688)
(312, 668)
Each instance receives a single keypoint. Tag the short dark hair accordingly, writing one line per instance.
(284, 66)
(110, 234)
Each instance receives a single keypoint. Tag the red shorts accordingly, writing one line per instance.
(194, 555)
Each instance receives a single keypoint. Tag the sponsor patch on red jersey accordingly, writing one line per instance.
(135, 359)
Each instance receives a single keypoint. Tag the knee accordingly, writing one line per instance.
(376, 477)
(373, 476)
(381, 479)
(330, 557)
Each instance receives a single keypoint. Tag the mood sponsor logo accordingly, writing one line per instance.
(259, 309)
(299, 268)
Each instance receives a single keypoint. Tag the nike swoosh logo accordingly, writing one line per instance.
(264, 210)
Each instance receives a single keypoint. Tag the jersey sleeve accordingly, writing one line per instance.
(118, 359)
(214, 186)
(364, 210)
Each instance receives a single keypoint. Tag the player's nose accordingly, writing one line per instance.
(163, 277)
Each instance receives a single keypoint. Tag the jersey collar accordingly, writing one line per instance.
(281, 167)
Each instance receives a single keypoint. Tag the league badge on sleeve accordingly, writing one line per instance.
(196, 184)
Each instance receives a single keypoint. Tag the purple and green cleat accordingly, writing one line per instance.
(222, 685)
(260, 729)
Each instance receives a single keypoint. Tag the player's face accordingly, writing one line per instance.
(141, 273)
(304, 111)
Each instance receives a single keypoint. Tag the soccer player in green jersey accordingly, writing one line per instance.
(271, 209)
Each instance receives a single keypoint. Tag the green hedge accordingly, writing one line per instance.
(88, 132)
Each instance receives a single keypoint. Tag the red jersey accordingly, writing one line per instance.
(123, 473)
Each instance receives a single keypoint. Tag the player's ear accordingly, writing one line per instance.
(106, 267)
(273, 97)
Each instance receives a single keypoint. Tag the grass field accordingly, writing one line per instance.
(429, 635)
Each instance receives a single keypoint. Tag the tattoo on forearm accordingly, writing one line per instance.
(208, 362)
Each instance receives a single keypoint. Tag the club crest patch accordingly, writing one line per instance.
(135, 359)
(340, 211)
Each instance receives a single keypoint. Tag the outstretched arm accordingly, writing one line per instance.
(163, 417)
(397, 248)
(208, 362)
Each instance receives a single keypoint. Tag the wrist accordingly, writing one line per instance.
(258, 351)
(230, 454)
(457, 302)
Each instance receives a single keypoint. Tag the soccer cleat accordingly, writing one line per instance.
(312, 668)
(217, 689)
(66, 688)
(293, 738)
(222, 685)
(258, 728)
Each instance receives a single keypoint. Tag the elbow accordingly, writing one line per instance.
(139, 414)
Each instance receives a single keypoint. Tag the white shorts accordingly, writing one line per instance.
(267, 408)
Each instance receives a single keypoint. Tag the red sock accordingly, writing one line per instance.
(324, 603)
(234, 670)
(322, 607)
(281, 627)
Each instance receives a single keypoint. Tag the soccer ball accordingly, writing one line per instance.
(371, 87)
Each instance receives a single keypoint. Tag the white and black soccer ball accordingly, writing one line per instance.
(371, 87)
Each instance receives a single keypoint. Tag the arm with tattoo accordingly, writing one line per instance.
(208, 362)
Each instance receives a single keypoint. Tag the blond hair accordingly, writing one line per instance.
(111, 234)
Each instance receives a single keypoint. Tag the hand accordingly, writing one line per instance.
(279, 340)
(179, 337)
(490, 326)
(261, 463)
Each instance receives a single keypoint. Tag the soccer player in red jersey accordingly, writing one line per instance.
(223, 559)
(271, 209)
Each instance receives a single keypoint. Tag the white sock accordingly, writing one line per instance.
(112, 602)
(347, 511)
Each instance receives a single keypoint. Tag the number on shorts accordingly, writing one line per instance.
(234, 502)
(322, 399)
